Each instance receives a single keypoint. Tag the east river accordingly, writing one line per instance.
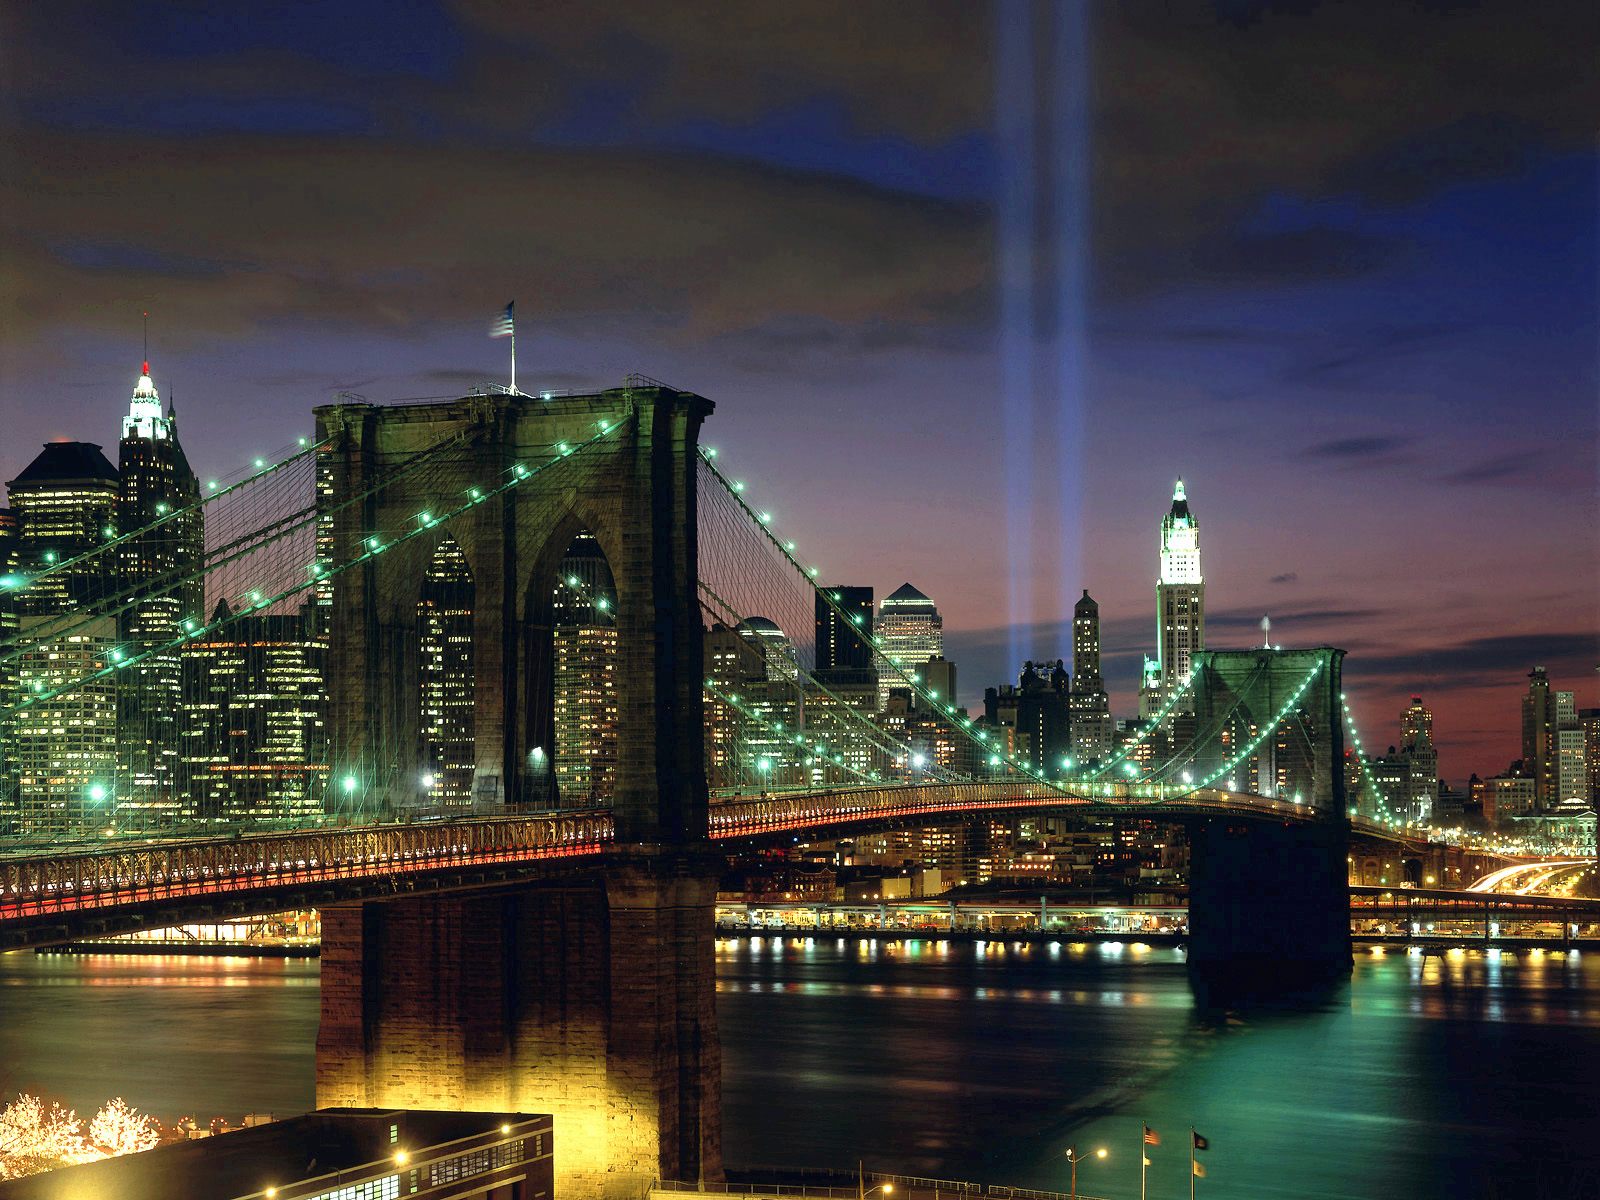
(1459, 1076)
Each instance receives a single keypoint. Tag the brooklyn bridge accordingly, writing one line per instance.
(491, 942)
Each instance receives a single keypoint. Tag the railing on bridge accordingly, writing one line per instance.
(732, 819)
(126, 874)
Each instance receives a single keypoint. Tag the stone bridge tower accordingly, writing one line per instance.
(591, 998)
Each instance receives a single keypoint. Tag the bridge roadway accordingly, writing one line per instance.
(122, 885)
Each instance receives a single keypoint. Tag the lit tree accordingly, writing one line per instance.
(36, 1138)
(120, 1129)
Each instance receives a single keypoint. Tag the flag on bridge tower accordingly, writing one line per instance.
(505, 326)
(1151, 1137)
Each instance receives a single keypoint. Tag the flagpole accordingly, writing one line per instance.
(1191, 1162)
(513, 357)
(1144, 1160)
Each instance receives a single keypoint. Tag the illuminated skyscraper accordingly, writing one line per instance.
(1416, 722)
(1093, 732)
(448, 680)
(584, 646)
(65, 747)
(8, 669)
(253, 740)
(1540, 726)
(910, 631)
(1180, 593)
(159, 564)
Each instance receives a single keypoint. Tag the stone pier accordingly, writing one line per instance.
(591, 1000)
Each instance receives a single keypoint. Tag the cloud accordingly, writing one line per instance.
(1355, 449)
(1489, 661)
(401, 237)
(1285, 577)
(484, 144)
(1504, 468)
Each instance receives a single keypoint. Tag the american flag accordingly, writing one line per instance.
(505, 324)
(1151, 1137)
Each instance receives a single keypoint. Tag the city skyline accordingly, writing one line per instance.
(1124, 653)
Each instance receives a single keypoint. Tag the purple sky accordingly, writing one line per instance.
(969, 285)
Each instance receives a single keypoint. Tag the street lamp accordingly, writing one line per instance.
(862, 1190)
(1075, 1158)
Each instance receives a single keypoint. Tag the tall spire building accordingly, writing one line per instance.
(159, 565)
(1180, 594)
(1093, 732)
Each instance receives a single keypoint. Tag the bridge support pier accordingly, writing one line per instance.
(592, 1000)
(1269, 908)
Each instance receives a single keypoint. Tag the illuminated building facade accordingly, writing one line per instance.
(66, 762)
(445, 669)
(1093, 731)
(1180, 594)
(909, 632)
(253, 740)
(584, 657)
(1539, 728)
(159, 563)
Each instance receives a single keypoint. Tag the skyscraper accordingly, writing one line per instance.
(8, 670)
(844, 642)
(1422, 760)
(1180, 593)
(253, 723)
(65, 747)
(159, 563)
(1093, 732)
(910, 631)
(1539, 728)
(584, 645)
(1416, 722)
(447, 674)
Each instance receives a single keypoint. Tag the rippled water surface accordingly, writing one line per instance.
(1464, 1076)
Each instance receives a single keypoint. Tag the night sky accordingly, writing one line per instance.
(970, 285)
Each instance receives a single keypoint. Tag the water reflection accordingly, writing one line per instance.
(1462, 1076)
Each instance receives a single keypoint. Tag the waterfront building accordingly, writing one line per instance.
(909, 632)
(65, 504)
(159, 563)
(584, 644)
(1539, 727)
(252, 725)
(329, 1154)
(1180, 594)
(1093, 732)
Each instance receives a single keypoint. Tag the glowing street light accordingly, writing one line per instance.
(1075, 1158)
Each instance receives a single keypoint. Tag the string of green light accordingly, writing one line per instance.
(262, 470)
(373, 545)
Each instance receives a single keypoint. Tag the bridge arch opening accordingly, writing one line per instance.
(572, 701)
